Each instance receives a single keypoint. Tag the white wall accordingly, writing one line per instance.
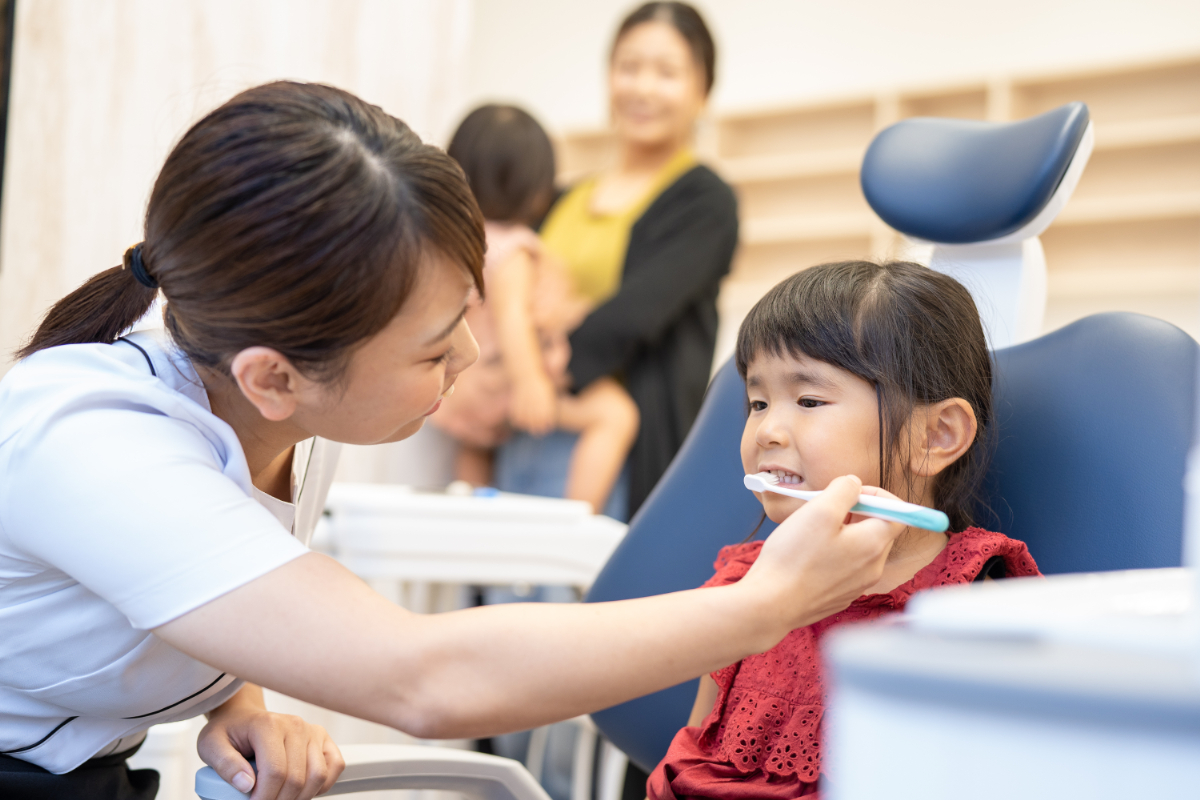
(550, 55)
(101, 90)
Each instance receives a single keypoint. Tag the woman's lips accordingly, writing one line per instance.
(438, 404)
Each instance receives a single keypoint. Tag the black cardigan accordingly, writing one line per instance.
(659, 330)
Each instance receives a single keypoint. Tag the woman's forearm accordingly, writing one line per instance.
(312, 630)
(467, 673)
(492, 675)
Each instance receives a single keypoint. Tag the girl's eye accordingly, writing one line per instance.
(809, 402)
(757, 405)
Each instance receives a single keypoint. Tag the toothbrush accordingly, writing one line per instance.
(868, 505)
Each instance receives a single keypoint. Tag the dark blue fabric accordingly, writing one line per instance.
(960, 181)
(698, 507)
(538, 465)
(1094, 424)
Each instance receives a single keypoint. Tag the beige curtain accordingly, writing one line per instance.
(102, 88)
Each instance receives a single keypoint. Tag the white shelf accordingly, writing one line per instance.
(1164, 205)
(807, 228)
(1136, 281)
(1148, 132)
(760, 169)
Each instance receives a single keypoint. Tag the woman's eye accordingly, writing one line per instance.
(443, 358)
(809, 402)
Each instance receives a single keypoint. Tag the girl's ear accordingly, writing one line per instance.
(943, 433)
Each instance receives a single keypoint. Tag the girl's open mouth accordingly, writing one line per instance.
(786, 478)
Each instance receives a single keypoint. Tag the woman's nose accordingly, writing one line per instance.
(465, 345)
(646, 83)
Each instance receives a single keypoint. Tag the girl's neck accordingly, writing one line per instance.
(913, 550)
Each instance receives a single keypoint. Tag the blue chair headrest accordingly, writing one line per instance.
(961, 181)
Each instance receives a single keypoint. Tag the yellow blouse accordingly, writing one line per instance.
(592, 246)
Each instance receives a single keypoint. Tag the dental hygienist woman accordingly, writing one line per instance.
(315, 259)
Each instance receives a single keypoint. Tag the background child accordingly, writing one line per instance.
(876, 370)
(523, 324)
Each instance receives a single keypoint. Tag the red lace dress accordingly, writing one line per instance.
(763, 737)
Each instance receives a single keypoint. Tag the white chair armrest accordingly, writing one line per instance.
(375, 767)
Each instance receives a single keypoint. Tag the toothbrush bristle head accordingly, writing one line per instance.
(769, 477)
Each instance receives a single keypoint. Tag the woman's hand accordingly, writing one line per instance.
(295, 760)
(819, 560)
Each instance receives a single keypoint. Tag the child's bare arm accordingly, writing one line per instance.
(706, 698)
(510, 295)
(607, 421)
(557, 306)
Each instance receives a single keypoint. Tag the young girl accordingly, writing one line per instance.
(522, 328)
(878, 370)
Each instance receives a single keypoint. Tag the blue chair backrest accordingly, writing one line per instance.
(1094, 422)
(698, 507)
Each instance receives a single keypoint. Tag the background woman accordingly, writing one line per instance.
(315, 258)
(648, 241)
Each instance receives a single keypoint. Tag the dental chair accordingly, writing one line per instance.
(1093, 425)
(975, 196)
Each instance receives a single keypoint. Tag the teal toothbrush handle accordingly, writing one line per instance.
(929, 519)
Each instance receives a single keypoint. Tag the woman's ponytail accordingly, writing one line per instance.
(99, 310)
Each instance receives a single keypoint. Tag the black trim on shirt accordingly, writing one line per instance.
(142, 350)
(184, 700)
(42, 740)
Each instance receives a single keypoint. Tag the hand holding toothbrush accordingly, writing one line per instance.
(838, 560)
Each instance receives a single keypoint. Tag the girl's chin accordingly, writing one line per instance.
(780, 508)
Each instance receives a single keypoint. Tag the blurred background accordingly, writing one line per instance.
(99, 89)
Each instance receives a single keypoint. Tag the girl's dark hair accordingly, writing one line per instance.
(509, 163)
(911, 332)
(295, 216)
(685, 19)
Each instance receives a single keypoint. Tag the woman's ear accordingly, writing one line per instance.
(944, 432)
(268, 380)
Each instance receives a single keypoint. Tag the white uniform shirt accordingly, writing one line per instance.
(124, 503)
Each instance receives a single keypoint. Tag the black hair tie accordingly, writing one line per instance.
(138, 268)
